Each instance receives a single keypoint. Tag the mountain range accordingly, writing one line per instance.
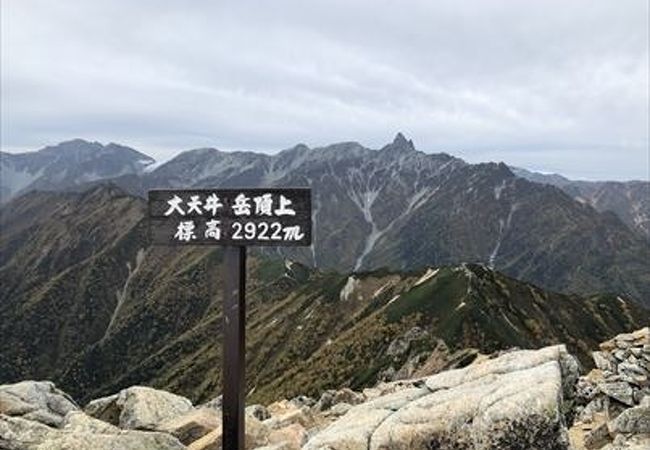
(404, 209)
(414, 254)
(77, 162)
(88, 303)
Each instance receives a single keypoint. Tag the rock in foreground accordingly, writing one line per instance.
(524, 399)
(614, 398)
(38, 401)
(139, 408)
(511, 402)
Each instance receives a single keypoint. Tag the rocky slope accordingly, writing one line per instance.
(65, 165)
(532, 399)
(89, 304)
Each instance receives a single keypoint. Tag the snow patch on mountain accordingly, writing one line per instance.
(153, 165)
(507, 319)
(350, 285)
(430, 273)
(381, 289)
(365, 197)
(392, 300)
(504, 226)
(417, 200)
(145, 162)
(121, 295)
(639, 217)
(499, 189)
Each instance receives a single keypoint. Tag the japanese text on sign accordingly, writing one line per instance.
(231, 217)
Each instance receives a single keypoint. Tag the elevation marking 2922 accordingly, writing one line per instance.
(274, 216)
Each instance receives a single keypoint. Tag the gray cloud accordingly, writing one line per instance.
(550, 85)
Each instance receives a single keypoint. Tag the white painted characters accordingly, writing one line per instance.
(212, 229)
(194, 205)
(284, 209)
(205, 216)
(263, 205)
(263, 231)
(212, 204)
(242, 206)
(175, 205)
(293, 233)
(185, 231)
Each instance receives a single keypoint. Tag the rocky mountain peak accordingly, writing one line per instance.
(504, 171)
(400, 143)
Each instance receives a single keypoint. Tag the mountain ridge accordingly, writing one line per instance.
(91, 305)
(629, 200)
(402, 208)
(67, 164)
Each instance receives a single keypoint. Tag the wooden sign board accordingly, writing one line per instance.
(235, 219)
(238, 217)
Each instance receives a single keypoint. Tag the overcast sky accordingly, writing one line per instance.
(550, 85)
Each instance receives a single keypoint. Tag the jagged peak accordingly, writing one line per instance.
(400, 143)
(401, 140)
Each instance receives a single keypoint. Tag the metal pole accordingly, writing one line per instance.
(234, 363)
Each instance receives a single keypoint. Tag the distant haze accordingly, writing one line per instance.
(550, 85)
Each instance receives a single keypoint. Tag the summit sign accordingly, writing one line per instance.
(234, 219)
(240, 217)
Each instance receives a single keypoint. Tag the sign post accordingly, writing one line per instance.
(234, 346)
(235, 219)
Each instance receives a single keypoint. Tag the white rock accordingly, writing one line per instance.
(510, 402)
(139, 408)
(36, 400)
